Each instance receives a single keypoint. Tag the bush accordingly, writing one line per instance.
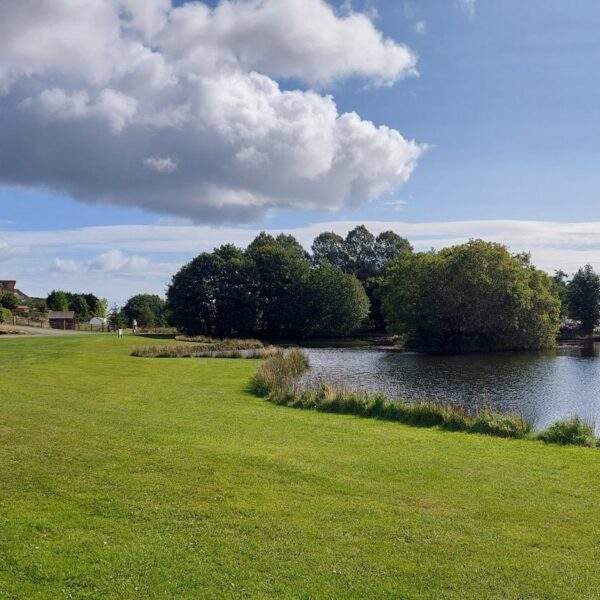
(572, 431)
(5, 314)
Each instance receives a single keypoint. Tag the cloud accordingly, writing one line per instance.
(9, 251)
(467, 7)
(420, 27)
(98, 96)
(115, 261)
(64, 266)
(161, 165)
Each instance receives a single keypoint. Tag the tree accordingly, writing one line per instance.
(278, 283)
(329, 248)
(584, 298)
(9, 300)
(116, 319)
(212, 294)
(560, 283)
(79, 306)
(360, 251)
(136, 304)
(58, 300)
(388, 247)
(338, 302)
(145, 317)
(472, 297)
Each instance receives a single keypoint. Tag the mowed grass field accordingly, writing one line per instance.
(125, 477)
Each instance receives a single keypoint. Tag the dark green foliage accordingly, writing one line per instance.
(561, 289)
(361, 253)
(8, 300)
(271, 291)
(279, 275)
(211, 295)
(85, 306)
(472, 297)
(57, 300)
(339, 304)
(573, 431)
(584, 298)
(147, 309)
(79, 304)
(116, 318)
(329, 248)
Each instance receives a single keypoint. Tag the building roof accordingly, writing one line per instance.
(61, 314)
(8, 284)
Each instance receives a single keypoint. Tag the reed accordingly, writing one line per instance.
(222, 349)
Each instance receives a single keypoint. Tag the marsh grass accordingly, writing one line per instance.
(572, 431)
(222, 344)
(280, 373)
(220, 349)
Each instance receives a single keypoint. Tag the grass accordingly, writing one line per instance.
(227, 348)
(124, 478)
(572, 431)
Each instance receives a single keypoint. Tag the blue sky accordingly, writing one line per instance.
(507, 98)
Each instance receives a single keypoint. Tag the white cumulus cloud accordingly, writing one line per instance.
(98, 96)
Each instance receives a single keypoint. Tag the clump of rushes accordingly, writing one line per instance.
(280, 373)
(572, 431)
(277, 379)
(221, 349)
(197, 339)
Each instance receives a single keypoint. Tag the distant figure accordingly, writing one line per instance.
(134, 326)
(120, 332)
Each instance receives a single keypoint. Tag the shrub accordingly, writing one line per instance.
(572, 431)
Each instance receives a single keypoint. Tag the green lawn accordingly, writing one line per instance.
(125, 477)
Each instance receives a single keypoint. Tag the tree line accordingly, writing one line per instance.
(476, 296)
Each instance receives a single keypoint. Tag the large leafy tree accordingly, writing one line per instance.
(584, 298)
(472, 297)
(279, 276)
(139, 307)
(329, 247)
(79, 305)
(212, 295)
(338, 303)
(58, 300)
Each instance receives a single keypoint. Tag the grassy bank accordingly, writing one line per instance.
(126, 478)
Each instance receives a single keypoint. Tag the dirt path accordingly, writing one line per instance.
(29, 331)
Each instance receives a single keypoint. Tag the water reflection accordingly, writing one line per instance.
(543, 387)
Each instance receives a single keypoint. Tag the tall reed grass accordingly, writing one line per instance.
(222, 344)
(217, 350)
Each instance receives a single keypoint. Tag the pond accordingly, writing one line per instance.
(542, 387)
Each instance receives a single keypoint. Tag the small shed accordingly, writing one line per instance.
(62, 319)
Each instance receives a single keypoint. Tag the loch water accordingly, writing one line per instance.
(543, 387)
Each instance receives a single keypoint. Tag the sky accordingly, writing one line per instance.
(135, 134)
